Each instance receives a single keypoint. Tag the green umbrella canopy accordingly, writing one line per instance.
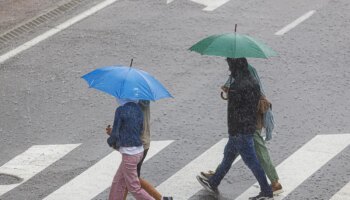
(233, 45)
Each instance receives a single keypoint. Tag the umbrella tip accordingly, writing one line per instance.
(131, 62)
(235, 28)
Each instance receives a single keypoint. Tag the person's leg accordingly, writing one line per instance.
(141, 162)
(131, 179)
(125, 193)
(230, 154)
(150, 189)
(138, 170)
(266, 163)
(118, 185)
(246, 149)
(264, 157)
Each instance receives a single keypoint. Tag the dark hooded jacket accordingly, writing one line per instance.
(243, 99)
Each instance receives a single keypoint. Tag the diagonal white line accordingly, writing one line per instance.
(183, 184)
(342, 194)
(55, 30)
(211, 4)
(99, 177)
(33, 161)
(295, 23)
(305, 162)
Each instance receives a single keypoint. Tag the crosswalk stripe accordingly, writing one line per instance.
(342, 194)
(210, 4)
(185, 180)
(304, 162)
(99, 177)
(32, 161)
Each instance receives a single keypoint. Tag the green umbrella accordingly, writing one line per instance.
(233, 45)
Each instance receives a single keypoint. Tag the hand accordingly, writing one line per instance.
(222, 96)
(224, 88)
(109, 130)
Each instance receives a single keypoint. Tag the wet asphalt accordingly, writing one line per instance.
(44, 100)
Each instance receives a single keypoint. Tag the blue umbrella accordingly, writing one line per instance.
(126, 83)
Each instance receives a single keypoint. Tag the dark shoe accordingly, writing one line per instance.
(207, 175)
(206, 185)
(261, 196)
(276, 188)
(167, 198)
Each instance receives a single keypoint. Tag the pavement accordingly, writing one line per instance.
(15, 12)
(20, 20)
(48, 112)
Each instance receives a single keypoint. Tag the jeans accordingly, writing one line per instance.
(241, 144)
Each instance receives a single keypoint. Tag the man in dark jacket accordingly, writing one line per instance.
(243, 98)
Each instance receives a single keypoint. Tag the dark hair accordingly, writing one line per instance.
(238, 66)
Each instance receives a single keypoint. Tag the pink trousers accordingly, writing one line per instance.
(126, 177)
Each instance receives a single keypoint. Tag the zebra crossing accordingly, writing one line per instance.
(33, 161)
(307, 160)
(303, 161)
(96, 179)
(209, 4)
(185, 179)
(343, 193)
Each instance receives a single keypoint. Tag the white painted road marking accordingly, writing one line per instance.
(99, 177)
(33, 161)
(304, 162)
(210, 4)
(185, 180)
(343, 194)
(293, 171)
(55, 30)
(295, 23)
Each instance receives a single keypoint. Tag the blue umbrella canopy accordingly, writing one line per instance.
(126, 83)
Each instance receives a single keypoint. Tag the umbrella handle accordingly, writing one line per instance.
(222, 96)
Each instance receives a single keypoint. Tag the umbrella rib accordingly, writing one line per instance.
(148, 83)
(258, 44)
(123, 83)
(211, 42)
(235, 45)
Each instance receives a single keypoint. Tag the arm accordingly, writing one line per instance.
(254, 73)
(226, 87)
(113, 140)
(227, 84)
(263, 105)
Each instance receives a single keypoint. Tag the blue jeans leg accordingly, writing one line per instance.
(230, 154)
(245, 145)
